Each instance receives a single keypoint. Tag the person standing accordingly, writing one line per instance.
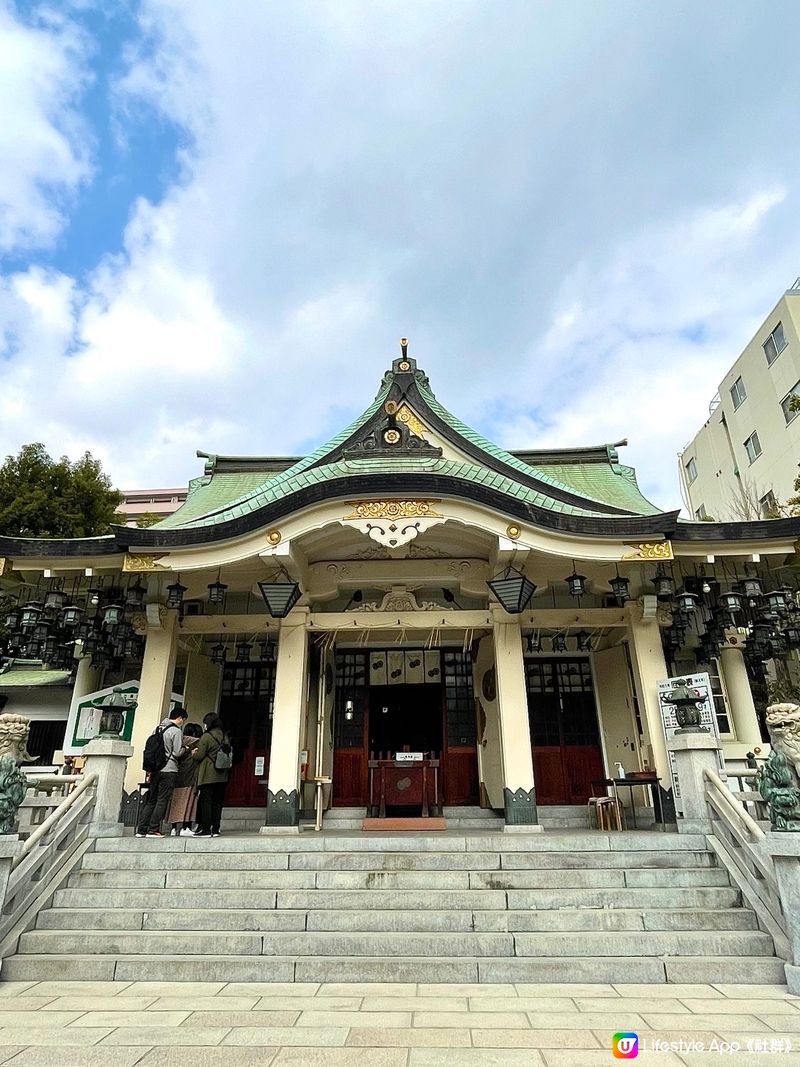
(162, 781)
(183, 806)
(211, 779)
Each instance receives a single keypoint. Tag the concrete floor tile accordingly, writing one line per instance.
(345, 1057)
(201, 1019)
(689, 1022)
(613, 1018)
(631, 1004)
(742, 1058)
(13, 989)
(368, 989)
(155, 1020)
(184, 990)
(77, 1056)
(767, 1006)
(744, 992)
(310, 1004)
(196, 1004)
(546, 990)
(464, 990)
(8, 1051)
(670, 989)
(355, 1018)
(278, 1036)
(10, 1004)
(215, 1056)
(265, 989)
(165, 1035)
(99, 1003)
(539, 1004)
(573, 1039)
(25, 1036)
(77, 989)
(408, 1037)
(788, 1024)
(417, 1004)
(603, 1058)
(486, 1019)
(477, 1057)
(43, 1019)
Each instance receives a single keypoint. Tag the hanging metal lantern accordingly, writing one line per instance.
(41, 631)
(732, 601)
(12, 620)
(243, 652)
(71, 617)
(560, 643)
(134, 596)
(664, 586)
(687, 602)
(175, 595)
(619, 587)
(267, 651)
(49, 648)
(534, 643)
(216, 592)
(576, 583)
(218, 653)
(778, 645)
(31, 613)
(112, 615)
(91, 644)
(751, 589)
(130, 647)
(54, 600)
(584, 639)
(280, 597)
(776, 602)
(792, 635)
(94, 597)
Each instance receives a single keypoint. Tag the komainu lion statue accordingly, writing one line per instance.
(14, 730)
(779, 779)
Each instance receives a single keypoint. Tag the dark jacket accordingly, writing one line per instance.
(205, 753)
(187, 767)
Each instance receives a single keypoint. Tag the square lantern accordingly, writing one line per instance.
(112, 615)
(560, 643)
(55, 600)
(619, 587)
(576, 583)
(664, 586)
(513, 590)
(175, 595)
(216, 592)
(731, 601)
(243, 652)
(280, 597)
(30, 616)
(584, 639)
(218, 653)
(71, 618)
(134, 596)
(687, 602)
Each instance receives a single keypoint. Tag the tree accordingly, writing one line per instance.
(149, 518)
(43, 497)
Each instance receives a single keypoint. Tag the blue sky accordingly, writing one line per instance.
(217, 220)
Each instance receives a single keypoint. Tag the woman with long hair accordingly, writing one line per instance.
(183, 805)
(211, 780)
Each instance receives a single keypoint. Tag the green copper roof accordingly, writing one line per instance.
(224, 495)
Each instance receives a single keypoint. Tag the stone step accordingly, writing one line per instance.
(392, 900)
(389, 861)
(403, 943)
(245, 919)
(181, 967)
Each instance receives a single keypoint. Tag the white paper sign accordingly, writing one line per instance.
(409, 757)
(259, 768)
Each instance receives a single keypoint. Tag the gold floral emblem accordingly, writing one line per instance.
(393, 509)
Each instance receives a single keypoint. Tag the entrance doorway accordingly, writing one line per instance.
(245, 707)
(430, 707)
(565, 737)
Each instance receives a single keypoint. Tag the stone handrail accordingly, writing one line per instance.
(33, 869)
(736, 839)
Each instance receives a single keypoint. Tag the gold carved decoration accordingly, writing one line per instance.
(655, 550)
(513, 532)
(139, 564)
(274, 537)
(5, 566)
(393, 509)
(407, 416)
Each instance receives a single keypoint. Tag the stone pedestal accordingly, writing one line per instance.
(694, 752)
(784, 847)
(107, 758)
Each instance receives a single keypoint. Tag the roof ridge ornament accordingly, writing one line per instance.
(404, 365)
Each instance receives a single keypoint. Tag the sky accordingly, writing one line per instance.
(217, 220)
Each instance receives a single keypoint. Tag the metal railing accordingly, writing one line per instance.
(48, 853)
(735, 839)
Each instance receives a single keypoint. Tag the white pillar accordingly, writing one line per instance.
(289, 709)
(519, 796)
(649, 668)
(87, 678)
(155, 689)
(740, 697)
(107, 758)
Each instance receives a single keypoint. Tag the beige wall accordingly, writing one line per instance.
(718, 454)
(201, 691)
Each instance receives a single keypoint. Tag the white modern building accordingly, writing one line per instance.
(743, 462)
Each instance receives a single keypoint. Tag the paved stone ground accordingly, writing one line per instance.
(210, 1024)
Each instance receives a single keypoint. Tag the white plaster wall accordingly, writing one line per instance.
(490, 757)
(201, 691)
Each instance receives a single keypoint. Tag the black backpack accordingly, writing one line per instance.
(155, 754)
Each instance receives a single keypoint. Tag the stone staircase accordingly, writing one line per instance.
(457, 906)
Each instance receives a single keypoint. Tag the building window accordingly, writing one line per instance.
(691, 470)
(738, 393)
(752, 447)
(789, 410)
(775, 344)
(701, 513)
(720, 700)
(769, 506)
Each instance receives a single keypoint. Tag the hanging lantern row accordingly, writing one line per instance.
(583, 639)
(515, 590)
(242, 652)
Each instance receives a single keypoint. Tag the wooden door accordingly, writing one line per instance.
(350, 771)
(245, 708)
(564, 736)
(460, 755)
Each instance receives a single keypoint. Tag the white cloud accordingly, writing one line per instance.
(44, 143)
